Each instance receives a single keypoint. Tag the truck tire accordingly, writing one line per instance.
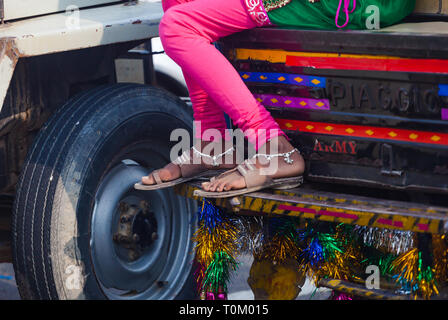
(80, 230)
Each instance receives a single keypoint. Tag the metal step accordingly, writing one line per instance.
(309, 203)
(361, 290)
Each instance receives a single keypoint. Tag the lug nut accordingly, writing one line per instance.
(123, 207)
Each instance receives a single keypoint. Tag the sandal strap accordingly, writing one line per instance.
(156, 176)
(252, 176)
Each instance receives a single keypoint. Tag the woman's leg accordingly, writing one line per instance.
(205, 110)
(187, 32)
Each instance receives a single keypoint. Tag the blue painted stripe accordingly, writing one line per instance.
(285, 78)
(443, 89)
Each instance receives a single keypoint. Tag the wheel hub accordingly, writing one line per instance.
(136, 229)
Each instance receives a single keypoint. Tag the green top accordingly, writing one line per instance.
(321, 15)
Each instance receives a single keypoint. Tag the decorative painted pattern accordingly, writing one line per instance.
(444, 114)
(310, 205)
(284, 78)
(357, 131)
(345, 61)
(279, 56)
(443, 90)
(293, 102)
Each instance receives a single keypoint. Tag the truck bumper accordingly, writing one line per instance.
(310, 202)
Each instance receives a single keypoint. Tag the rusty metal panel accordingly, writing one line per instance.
(428, 6)
(16, 9)
(8, 61)
(2, 11)
(96, 26)
(444, 7)
(117, 23)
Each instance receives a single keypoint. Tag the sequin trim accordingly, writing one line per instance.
(258, 13)
(274, 4)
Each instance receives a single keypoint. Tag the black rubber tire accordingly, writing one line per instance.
(55, 193)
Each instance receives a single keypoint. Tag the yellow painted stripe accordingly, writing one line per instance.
(279, 56)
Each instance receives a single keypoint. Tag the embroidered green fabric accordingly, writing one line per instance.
(321, 15)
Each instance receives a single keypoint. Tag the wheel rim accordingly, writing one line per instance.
(146, 266)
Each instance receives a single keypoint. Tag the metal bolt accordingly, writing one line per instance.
(144, 205)
(154, 236)
(133, 255)
(123, 207)
(161, 284)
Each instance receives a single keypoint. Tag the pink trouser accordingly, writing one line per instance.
(187, 31)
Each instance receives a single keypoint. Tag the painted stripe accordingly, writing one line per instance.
(279, 56)
(298, 209)
(284, 78)
(345, 61)
(396, 65)
(444, 114)
(329, 213)
(274, 100)
(390, 222)
(423, 226)
(357, 131)
(443, 90)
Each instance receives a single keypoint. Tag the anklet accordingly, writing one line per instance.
(213, 158)
(286, 155)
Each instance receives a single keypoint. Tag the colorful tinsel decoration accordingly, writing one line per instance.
(409, 263)
(327, 254)
(440, 257)
(216, 246)
(281, 242)
(336, 295)
(413, 276)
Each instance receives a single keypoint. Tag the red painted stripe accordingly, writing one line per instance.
(338, 214)
(423, 227)
(299, 209)
(344, 63)
(320, 212)
(390, 222)
(365, 131)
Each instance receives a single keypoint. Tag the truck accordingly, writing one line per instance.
(83, 118)
(81, 121)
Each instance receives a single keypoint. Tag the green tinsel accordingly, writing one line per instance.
(217, 274)
(330, 245)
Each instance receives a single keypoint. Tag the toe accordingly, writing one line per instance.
(221, 186)
(148, 180)
(205, 186)
(228, 186)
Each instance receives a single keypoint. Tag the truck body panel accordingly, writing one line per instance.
(365, 108)
(54, 33)
(16, 9)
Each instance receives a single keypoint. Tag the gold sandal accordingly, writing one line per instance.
(188, 171)
(254, 178)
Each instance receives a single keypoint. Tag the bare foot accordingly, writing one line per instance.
(234, 180)
(172, 171)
